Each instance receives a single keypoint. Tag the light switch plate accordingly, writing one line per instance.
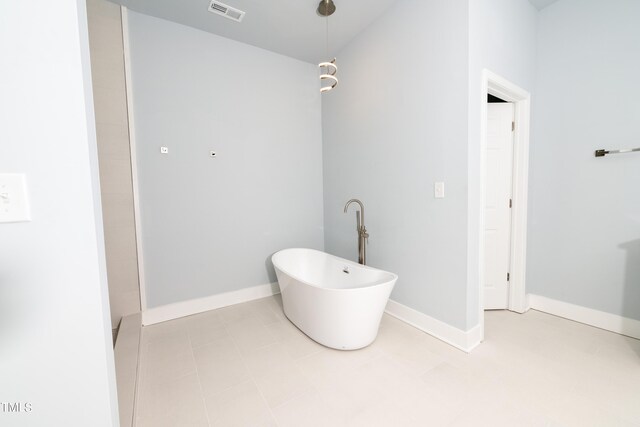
(438, 190)
(14, 204)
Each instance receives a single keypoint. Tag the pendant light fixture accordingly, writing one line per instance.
(328, 69)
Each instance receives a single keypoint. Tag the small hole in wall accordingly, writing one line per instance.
(212, 154)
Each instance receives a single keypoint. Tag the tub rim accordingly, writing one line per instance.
(392, 281)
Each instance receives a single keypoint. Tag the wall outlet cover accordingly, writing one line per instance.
(14, 203)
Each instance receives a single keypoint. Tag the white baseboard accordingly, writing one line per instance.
(589, 316)
(463, 340)
(194, 306)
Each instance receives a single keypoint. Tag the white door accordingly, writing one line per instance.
(497, 205)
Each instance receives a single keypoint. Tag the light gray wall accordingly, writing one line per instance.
(407, 114)
(210, 225)
(394, 126)
(502, 39)
(584, 235)
(54, 312)
(112, 128)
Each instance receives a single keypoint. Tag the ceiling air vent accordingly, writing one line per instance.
(226, 11)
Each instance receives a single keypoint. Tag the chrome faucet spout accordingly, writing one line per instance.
(361, 209)
(363, 236)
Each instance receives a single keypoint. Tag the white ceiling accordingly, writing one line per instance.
(541, 4)
(289, 27)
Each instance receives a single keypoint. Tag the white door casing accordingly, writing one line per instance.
(501, 87)
(497, 204)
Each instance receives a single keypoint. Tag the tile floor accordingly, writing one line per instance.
(247, 365)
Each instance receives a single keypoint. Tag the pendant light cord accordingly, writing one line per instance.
(326, 2)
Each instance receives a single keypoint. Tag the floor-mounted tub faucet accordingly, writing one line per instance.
(363, 236)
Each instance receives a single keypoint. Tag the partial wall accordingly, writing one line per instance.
(584, 246)
(209, 225)
(112, 128)
(56, 352)
(396, 124)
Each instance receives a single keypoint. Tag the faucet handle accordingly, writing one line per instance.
(363, 233)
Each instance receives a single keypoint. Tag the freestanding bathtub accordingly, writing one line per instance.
(336, 302)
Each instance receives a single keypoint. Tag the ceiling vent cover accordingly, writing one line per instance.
(226, 11)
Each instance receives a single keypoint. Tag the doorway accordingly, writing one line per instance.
(498, 202)
(509, 272)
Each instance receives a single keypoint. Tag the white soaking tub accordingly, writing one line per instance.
(336, 302)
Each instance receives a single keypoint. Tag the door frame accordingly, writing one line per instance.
(502, 88)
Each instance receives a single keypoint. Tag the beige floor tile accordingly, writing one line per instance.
(205, 328)
(176, 400)
(413, 353)
(171, 342)
(267, 310)
(206, 334)
(163, 330)
(167, 357)
(219, 366)
(499, 413)
(235, 313)
(351, 395)
(307, 410)
(239, 406)
(221, 348)
(170, 366)
(429, 407)
(329, 363)
(580, 411)
(266, 358)
(613, 391)
(391, 378)
(455, 383)
(283, 330)
(280, 383)
(300, 345)
(253, 367)
(250, 334)
(177, 419)
(392, 413)
(296, 343)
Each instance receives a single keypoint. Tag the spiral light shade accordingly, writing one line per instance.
(328, 79)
